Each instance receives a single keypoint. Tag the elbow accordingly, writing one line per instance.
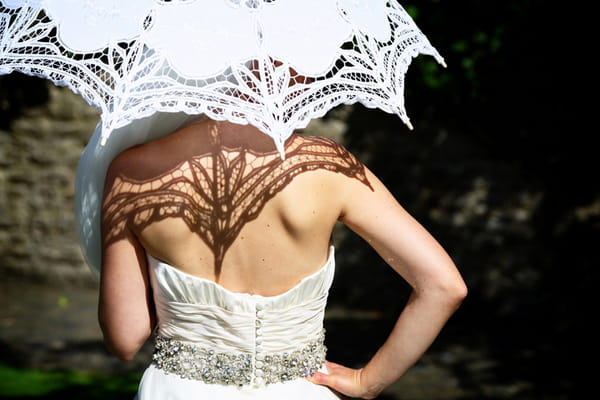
(126, 356)
(459, 293)
(123, 343)
(124, 337)
(124, 351)
(455, 292)
(450, 293)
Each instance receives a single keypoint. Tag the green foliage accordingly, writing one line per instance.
(41, 384)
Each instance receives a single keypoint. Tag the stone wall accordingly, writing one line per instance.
(38, 159)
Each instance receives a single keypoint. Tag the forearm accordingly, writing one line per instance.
(417, 327)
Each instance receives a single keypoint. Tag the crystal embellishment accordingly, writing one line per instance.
(189, 361)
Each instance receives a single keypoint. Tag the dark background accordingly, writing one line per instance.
(502, 169)
(506, 117)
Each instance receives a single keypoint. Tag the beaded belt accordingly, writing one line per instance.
(189, 361)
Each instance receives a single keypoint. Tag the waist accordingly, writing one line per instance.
(191, 361)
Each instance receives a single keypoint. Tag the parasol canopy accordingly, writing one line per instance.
(275, 64)
(149, 65)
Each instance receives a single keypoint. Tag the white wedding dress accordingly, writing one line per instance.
(216, 344)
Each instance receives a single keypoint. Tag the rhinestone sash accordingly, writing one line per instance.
(189, 361)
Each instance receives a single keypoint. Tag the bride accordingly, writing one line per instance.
(222, 249)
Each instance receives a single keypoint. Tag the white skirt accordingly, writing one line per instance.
(157, 385)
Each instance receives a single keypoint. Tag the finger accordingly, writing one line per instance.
(319, 378)
(329, 381)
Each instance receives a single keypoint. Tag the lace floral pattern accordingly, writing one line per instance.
(273, 63)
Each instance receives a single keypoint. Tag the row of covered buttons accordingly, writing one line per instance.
(259, 373)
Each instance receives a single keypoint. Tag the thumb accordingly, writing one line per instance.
(320, 378)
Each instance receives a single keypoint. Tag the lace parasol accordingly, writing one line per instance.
(273, 63)
(147, 64)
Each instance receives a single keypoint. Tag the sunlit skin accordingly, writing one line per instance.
(217, 193)
(269, 250)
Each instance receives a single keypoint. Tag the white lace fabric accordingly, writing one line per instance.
(273, 63)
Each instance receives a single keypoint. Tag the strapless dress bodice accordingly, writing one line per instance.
(195, 315)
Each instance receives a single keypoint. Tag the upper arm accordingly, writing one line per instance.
(397, 237)
(125, 308)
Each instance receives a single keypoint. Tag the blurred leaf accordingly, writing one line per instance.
(20, 383)
(63, 302)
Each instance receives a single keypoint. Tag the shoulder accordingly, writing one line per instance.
(133, 166)
(144, 162)
(327, 154)
(125, 164)
(125, 160)
(319, 141)
(321, 148)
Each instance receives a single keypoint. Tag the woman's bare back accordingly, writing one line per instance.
(215, 200)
